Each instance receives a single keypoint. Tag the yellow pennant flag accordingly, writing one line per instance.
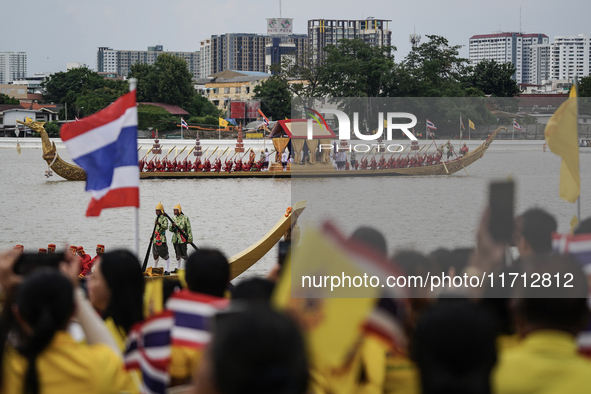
(223, 122)
(563, 139)
(471, 124)
(332, 326)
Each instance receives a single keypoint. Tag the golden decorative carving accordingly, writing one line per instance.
(67, 171)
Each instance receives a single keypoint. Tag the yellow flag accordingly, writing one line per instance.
(28, 120)
(223, 122)
(332, 326)
(471, 124)
(562, 137)
(153, 297)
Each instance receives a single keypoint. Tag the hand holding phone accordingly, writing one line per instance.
(501, 201)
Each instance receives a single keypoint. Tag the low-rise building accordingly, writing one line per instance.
(230, 85)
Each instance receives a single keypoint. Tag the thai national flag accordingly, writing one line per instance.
(430, 125)
(192, 317)
(516, 126)
(265, 120)
(148, 349)
(105, 146)
(184, 124)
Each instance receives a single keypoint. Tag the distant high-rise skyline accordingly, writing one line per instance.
(514, 48)
(12, 66)
(109, 60)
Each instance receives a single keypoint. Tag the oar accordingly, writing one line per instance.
(223, 153)
(170, 150)
(181, 231)
(140, 148)
(216, 148)
(419, 151)
(458, 157)
(145, 265)
(182, 150)
(149, 150)
(369, 151)
(402, 151)
(249, 149)
(189, 152)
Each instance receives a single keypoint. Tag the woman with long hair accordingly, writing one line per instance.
(39, 355)
(116, 290)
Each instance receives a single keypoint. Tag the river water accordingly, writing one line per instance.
(415, 212)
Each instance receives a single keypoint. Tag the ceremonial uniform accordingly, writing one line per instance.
(178, 241)
(159, 245)
(87, 270)
(85, 264)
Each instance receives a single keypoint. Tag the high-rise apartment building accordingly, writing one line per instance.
(570, 57)
(514, 48)
(323, 32)
(540, 61)
(12, 66)
(205, 63)
(244, 51)
(109, 60)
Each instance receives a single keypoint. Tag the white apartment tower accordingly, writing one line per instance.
(514, 48)
(570, 57)
(565, 58)
(12, 66)
(119, 62)
(205, 58)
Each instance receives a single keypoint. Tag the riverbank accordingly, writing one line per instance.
(497, 145)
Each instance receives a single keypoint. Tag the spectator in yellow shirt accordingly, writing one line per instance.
(546, 359)
(40, 355)
(207, 272)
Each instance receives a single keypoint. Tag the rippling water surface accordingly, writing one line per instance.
(415, 212)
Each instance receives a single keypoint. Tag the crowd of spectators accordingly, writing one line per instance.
(64, 334)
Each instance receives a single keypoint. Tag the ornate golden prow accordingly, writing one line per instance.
(67, 171)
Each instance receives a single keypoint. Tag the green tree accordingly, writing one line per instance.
(354, 68)
(81, 87)
(493, 78)
(143, 73)
(585, 95)
(6, 99)
(302, 74)
(201, 106)
(52, 129)
(166, 81)
(585, 86)
(433, 69)
(275, 97)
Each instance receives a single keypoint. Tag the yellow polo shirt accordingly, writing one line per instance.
(183, 361)
(66, 366)
(544, 362)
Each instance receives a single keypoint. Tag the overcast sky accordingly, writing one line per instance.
(55, 32)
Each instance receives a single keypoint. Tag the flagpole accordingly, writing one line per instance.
(181, 128)
(460, 131)
(577, 98)
(426, 131)
(136, 216)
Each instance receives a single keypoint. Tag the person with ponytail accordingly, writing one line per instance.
(39, 355)
(116, 291)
